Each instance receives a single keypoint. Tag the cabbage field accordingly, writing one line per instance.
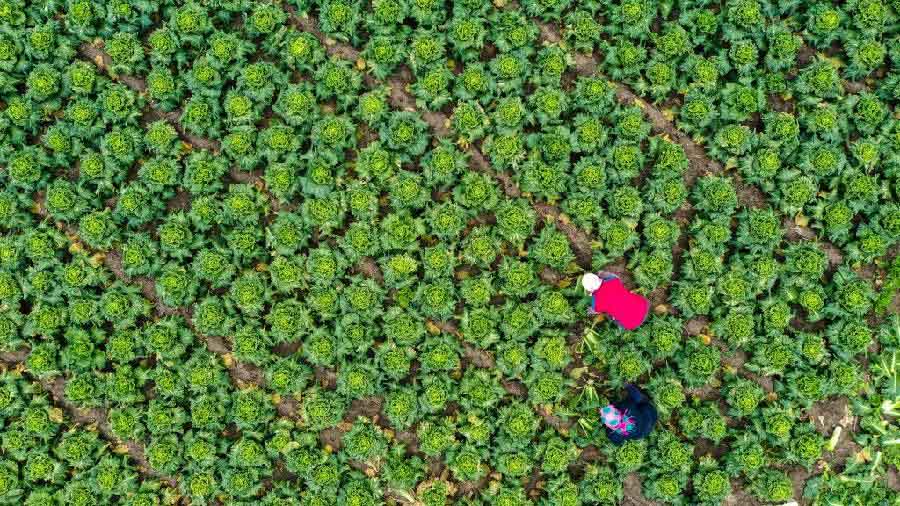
(328, 252)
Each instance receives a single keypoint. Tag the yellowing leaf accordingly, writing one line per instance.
(97, 260)
(432, 328)
(577, 372)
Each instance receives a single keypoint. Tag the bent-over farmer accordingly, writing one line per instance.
(610, 297)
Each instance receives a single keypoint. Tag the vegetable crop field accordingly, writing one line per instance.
(328, 252)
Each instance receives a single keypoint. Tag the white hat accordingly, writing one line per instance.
(590, 282)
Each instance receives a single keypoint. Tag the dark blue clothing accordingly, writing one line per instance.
(641, 409)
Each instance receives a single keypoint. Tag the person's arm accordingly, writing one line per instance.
(606, 275)
(614, 437)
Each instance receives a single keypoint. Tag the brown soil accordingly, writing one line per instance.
(893, 479)
(401, 99)
(828, 415)
(248, 374)
(369, 407)
(180, 202)
(795, 233)
(780, 104)
(288, 407)
(735, 360)
(740, 497)
(805, 55)
(854, 87)
(327, 378)
(798, 479)
(515, 388)
(549, 33)
(634, 496)
(621, 270)
(11, 358)
(217, 345)
(585, 64)
(471, 488)
(330, 438)
(244, 177)
(286, 349)
(749, 196)
(96, 54)
(697, 326)
(478, 357)
(368, 268)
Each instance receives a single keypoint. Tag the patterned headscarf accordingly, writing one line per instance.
(617, 421)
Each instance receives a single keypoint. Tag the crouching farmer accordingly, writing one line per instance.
(609, 296)
(630, 418)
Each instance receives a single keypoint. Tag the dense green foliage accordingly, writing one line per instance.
(327, 251)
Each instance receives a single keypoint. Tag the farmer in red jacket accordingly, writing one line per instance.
(609, 296)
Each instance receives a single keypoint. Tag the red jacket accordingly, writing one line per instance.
(628, 309)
